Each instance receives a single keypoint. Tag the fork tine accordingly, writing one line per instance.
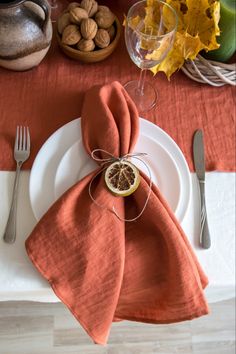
(20, 143)
(24, 139)
(28, 140)
(17, 138)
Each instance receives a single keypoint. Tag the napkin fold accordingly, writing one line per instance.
(104, 269)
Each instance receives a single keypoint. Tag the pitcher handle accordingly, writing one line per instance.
(47, 11)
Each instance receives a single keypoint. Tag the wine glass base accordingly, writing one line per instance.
(144, 100)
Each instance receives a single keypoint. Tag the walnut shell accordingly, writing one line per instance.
(72, 5)
(102, 38)
(63, 21)
(91, 6)
(77, 15)
(104, 19)
(88, 28)
(71, 35)
(86, 45)
(103, 8)
(112, 32)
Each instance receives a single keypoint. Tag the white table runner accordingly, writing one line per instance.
(19, 280)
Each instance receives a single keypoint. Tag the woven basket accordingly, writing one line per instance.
(210, 72)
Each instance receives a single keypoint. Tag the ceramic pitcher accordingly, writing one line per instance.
(25, 33)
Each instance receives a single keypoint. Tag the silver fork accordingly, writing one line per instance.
(21, 154)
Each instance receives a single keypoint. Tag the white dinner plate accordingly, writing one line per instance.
(54, 169)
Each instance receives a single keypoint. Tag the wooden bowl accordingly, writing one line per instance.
(96, 55)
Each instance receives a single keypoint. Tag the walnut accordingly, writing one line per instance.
(86, 45)
(88, 28)
(72, 5)
(103, 8)
(71, 35)
(112, 32)
(104, 19)
(102, 38)
(63, 21)
(91, 6)
(77, 15)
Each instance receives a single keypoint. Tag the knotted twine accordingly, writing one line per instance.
(107, 161)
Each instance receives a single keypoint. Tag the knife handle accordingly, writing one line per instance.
(205, 240)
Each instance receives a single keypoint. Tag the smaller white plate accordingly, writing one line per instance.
(76, 164)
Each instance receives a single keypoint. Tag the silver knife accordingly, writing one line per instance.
(199, 163)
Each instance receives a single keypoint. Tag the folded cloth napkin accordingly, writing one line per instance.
(105, 269)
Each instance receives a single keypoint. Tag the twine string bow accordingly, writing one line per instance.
(104, 164)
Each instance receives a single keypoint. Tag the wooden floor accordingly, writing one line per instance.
(34, 328)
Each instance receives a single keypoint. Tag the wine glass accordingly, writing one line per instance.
(149, 36)
(57, 7)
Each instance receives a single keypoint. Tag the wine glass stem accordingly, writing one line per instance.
(141, 81)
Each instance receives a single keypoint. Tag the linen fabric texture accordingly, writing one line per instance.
(51, 95)
(104, 269)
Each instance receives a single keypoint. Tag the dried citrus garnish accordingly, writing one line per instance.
(122, 178)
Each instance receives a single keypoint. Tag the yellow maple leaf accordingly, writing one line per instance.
(152, 16)
(197, 30)
(205, 23)
(185, 47)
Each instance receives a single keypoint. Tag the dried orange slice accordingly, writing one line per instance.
(122, 178)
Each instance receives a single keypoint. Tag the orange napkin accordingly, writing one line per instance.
(102, 268)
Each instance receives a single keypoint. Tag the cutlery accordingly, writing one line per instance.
(199, 163)
(21, 154)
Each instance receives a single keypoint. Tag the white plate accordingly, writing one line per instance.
(47, 179)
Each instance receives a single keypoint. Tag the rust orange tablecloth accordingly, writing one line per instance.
(105, 269)
(51, 95)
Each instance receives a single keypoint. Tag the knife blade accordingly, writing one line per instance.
(199, 164)
(198, 154)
